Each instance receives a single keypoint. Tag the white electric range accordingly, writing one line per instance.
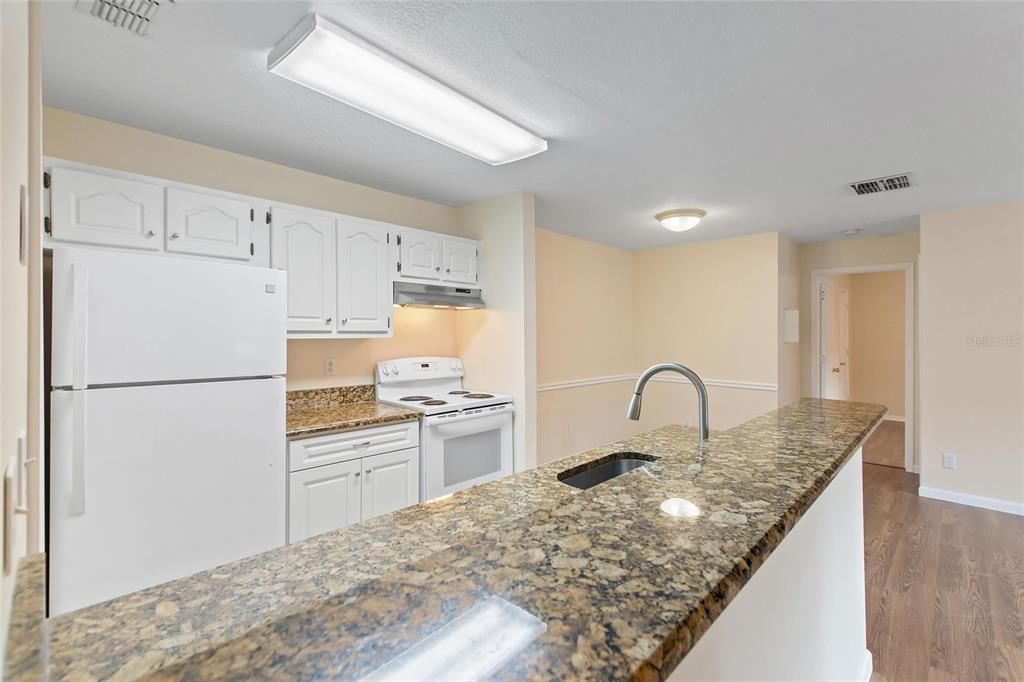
(465, 435)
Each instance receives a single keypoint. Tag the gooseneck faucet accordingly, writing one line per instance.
(633, 411)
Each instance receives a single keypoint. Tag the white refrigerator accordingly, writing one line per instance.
(167, 409)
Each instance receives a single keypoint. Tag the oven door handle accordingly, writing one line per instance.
(463, 416)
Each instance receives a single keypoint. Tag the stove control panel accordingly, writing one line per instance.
(418, 369)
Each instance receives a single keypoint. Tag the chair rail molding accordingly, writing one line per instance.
(616, 378)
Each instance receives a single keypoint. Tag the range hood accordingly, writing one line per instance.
(412, 295)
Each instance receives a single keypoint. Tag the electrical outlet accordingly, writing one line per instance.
(570, 429)
(330, 367)
(949, 460)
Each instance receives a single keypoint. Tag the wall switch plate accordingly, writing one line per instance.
(949, 460)
(330, 367)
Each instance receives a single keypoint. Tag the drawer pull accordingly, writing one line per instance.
(364, 444)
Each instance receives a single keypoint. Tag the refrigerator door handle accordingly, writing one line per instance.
(78, 446)
(79, 324)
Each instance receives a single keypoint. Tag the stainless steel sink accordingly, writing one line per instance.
(590, 474)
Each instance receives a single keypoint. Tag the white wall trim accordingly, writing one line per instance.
(867, 667)
(973, 500)
(615, 378)
(909, 339)
(890, 418)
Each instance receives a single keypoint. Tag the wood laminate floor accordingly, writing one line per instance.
(886, 445)
(945, 585)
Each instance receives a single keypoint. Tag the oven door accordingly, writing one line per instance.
(464, 449)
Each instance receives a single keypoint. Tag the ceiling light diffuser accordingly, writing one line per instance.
(325, 57)
(680, 219)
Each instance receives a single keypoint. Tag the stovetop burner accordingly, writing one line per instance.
(434, 402)
(458, 392)
(479, 395)
(414, 398)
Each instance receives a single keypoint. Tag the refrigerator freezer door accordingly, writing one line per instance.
(160, 482)
(126, 318)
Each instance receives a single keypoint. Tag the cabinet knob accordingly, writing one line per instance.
(151, 233)
(448, 270)
(344, 320)
(174, 235)
(357, 474)
(328, 320)
(438, 268)
(369, 471)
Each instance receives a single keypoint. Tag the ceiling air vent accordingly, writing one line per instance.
(886, 184)
(134, 15)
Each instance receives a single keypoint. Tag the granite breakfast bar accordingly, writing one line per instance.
(586, 584)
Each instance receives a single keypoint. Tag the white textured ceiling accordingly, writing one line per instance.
(757, 113)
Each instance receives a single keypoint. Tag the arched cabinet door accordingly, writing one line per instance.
(364, 283)
(209, 224)
(459, 258)
(94, 208)
(420, 255)
(302, 244)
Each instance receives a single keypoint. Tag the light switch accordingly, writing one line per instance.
(949, 460)
(791, 326)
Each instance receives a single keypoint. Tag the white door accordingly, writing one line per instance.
(208, 224)
(92, 208)
(323, 499)
(153, 483)
(391, 481)
(302, 243)
(459, 257)
(420, 255)
(835, 340)
(123, 318)
(364, 282)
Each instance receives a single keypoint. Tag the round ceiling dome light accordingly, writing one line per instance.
(680, 219)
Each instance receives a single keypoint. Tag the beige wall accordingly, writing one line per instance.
(75, 137)
(498, 345)
(585, 330)
(971, 352)
(607, 313)
(789, 299)
(877, 339)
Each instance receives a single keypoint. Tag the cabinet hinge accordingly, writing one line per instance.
(389, 322)
(399, 266)
(47, 225)
(252, 248)
(268, 217)
(398, 240)
(821, 294)
(252, 214)
(46, 180)
(389, 237)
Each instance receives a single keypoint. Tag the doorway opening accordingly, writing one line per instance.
(862, 349)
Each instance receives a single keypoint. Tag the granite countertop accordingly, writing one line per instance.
(616, 588)
(323, 410)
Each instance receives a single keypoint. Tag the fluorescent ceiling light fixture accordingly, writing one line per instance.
(325, 57)
(680, 219)
(474, 646)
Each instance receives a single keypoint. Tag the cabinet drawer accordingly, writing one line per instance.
(346, 445)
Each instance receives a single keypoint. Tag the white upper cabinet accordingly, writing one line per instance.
(93, 208)
(208, 224)
(303, 244)
(419, 255)
(364, 281)
(391, 481)
(459, 260)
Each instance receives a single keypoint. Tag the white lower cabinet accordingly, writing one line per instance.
(323, 499)
(356, 485)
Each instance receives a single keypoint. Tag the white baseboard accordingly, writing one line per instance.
(867, 667)
(890, 418)
(973, 500)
